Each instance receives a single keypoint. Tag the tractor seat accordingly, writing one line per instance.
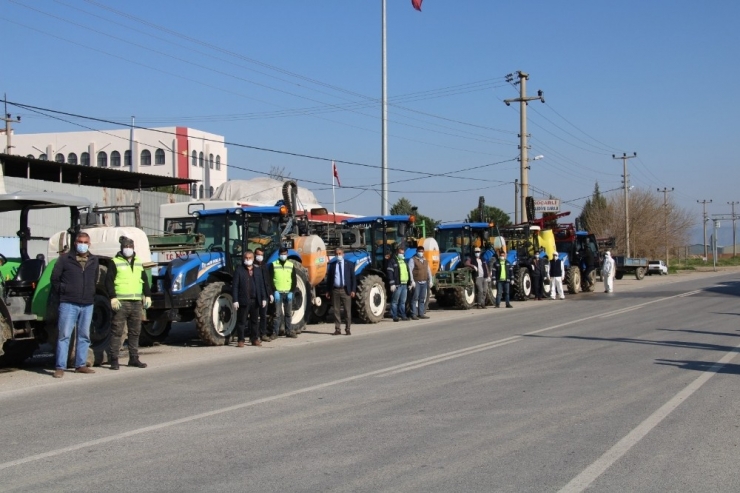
(29, 272)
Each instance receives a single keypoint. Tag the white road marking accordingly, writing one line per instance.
(592, 472)
(402, 367)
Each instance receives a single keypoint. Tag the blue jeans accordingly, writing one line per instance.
(283, 312)
(503, 289)
(71, 314)
(398, 302)
(418, 300)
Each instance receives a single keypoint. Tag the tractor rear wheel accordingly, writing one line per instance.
(154, 332)
(522, 287)
(215, 316)
(590, 284)
(492, 292)
(318, 312)
(301, 300)
(370, 299)
(619, 275)
(574, 280)
(465, 297)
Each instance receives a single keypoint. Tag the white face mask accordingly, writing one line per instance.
(248, 262)
(340, 258)
(82, 247)
(420, 254)
(283, 257)
(128, 252)
(477, 254)
(259, 258)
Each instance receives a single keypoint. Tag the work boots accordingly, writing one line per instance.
(114, 364)
(134, 361)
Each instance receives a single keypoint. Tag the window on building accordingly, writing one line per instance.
(31, 156)
(127, 158)
(159, 156)
(218, 162)
(59, 158)
(72, 158)
(115, 159)
(210, 161)
(200, 192)
(43, 157)
(210, 192)
(200, 159)
(194, 191)
(85, 159)
(102, 159)
(194, 160)
(146, 158)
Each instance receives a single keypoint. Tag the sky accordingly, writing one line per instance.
(657, 78)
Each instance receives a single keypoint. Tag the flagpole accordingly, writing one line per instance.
(384, 146)
(333, 196)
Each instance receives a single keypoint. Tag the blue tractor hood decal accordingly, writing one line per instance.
(449, 260)
(203, 263)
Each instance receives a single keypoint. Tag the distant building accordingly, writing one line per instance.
(176, 152)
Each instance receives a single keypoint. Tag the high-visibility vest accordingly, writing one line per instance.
(403, 271)
(283, 275)
(128, 283)
(502, 273)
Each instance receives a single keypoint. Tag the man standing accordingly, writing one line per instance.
(556, 276)
(503, 272)
(481, 275)
(73, 279)
(282, 274)
(607, 272)
(341, 275)
(259, 262)
(128, 289)
(248, 293)
(398, 279)
(421, 282)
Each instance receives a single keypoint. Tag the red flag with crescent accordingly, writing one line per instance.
(336, 173)
(417, 4)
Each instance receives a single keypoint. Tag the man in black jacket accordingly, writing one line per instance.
(73, 280)
(248, 292)
(259, 262)
(481, 277)
(341, 279)
(503, 273)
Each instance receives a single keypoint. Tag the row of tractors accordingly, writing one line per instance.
(196, 286)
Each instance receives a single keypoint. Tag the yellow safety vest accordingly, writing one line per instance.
(128, 282)
(283, 275)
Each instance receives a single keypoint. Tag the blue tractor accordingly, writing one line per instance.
(454, 285)
(197, 286)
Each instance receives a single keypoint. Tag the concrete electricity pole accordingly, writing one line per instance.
(704, 204)
(624, 157)
(733, 227)
(384, 123)
(665, 210)
(516, 201)
(8, 119)
(523, 148)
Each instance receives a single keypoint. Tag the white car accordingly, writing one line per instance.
(657, 267)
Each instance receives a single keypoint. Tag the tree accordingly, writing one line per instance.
(278, 173)
(404, 207)
(490, 214)
(592, 209)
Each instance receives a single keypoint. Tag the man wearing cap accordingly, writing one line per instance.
(282, 275)
(503, 272)
(129, 292)
(397, 273)
(481, 275)
(421, 282)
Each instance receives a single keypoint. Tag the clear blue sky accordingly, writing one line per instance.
(659, 78)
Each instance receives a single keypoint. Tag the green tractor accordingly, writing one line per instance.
(28, 309)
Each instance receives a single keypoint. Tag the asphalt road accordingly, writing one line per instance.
(633, 391)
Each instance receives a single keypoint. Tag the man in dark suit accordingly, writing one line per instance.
(341, 278)
(248, 291)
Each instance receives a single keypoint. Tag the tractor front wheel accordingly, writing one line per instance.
(523, 285)
(370, 299)
(215, 316)
(574, 280)
(465, 297)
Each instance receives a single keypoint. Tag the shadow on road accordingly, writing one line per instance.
(647, 342)
(727, 288)
(693, 331)
(704, 366)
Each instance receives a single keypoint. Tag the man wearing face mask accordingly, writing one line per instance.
(482, 276)
(341, 275)
(397, 273)
(282, 275)
(421, 283)
(259, 262)
(248, 292)
(129, 292)
(73, 279)
(503, 273)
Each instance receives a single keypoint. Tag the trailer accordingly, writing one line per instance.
(636, 266)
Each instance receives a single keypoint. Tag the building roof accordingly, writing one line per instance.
(41, 200)
(36, 169)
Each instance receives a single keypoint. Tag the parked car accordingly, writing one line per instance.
(657, 267)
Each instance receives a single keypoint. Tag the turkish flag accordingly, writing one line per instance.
(417, 4)
(336, 173)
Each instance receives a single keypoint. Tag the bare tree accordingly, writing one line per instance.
(278, 173)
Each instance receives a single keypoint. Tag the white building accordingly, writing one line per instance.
(178, 152)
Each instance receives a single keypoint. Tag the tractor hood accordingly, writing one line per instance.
(449, 261)
(184, 272)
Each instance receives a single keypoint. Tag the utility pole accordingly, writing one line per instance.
(624, 157)
(733, 227)
(384, 126)
(704, 204)
(516, 201)
(665, 210)
(8, 119)
(523, 100)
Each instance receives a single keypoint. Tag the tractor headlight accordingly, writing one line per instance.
(177, 283)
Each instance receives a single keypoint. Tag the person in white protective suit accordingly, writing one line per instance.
(607, 272)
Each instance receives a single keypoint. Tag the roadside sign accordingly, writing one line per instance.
(548, 205)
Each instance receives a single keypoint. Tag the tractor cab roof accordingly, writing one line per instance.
(254, 210)
(369, 219)
(485, 226)
(40, 200)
